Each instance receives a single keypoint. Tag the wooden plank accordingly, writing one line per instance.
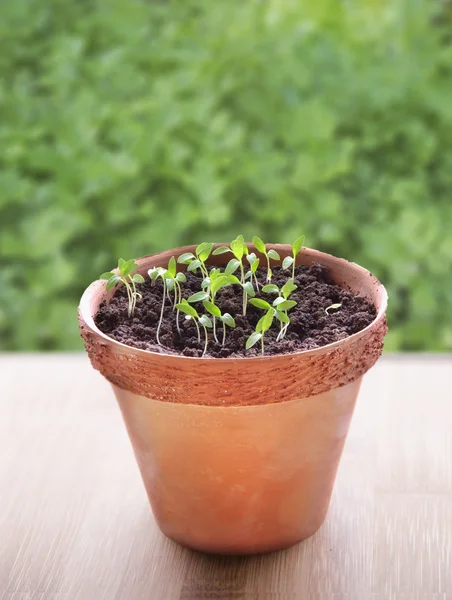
(75, 522)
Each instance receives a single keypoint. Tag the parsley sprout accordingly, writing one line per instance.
(333, 307)
(173, 280)
(218, 281)
(271, 254)
(154, 274)
(291, 260)
(198, 260)
(225, 318)
(192, 314)
(126, 268)
(239, 249)
(283, 295)
(263, 325)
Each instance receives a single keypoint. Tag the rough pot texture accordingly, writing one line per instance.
(239, 455)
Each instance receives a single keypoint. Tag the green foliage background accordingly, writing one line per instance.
(128, 127)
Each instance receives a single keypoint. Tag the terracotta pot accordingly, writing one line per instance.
(239, 455)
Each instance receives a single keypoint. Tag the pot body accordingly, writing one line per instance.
(239, 479)
(239, 455)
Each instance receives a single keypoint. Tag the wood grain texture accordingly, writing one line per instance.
(75, 522)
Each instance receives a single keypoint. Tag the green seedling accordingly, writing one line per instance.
(290, 261)
(173, 279)
(263, 325)
(239, 249)
(198, 260)
(253, 262)
(125, 275)
(218, 281)
(203, 320)
(154, 274)
(225, 318)
(332, 307)
(280, 302)
(271, 254)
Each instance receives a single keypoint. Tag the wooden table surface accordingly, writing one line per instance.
(75, 522)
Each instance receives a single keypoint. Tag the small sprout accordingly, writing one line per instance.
(239, 249)
(253, 261)
(173, 279)
(154, 274)
(262, 326)
(198, 297)
(290, 261)
(249, 289)
(126, 268)
(232, 266)
(191, 313)
(197, 261)
(281, 304)
(253, 339)
(226, 319)
(332, 307)
(218, 281)
(271, 254)
(271, 288)
(259, 303)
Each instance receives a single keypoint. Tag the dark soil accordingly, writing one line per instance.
(309, 326)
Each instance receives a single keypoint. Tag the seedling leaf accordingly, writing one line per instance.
(270, 288)
(285, 304)
(268, 319)
(195, 264)
(287, 262)
(288, 288)
(223, 281)
(127, 267)
(212, 308)
(221, 250)
(253, 339)
(112, 282)
(249, 289)
(260, 323)
(255, 265)
(226, 318)
(187, 309)
(107, 275)
(203, 251)
(232, 266)
(180, 277)
(260, 246)
(204, 320)
(258, 303)
(172, 267)
(185, 258)
(238, 247)
(198, 297)
(281, 316)
(137, 278)
(273, 255)
(297, 245)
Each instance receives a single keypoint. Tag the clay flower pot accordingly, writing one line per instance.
(239, 455)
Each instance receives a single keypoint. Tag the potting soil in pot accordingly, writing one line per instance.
(310, 326)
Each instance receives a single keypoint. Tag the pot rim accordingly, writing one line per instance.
(84, 310)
